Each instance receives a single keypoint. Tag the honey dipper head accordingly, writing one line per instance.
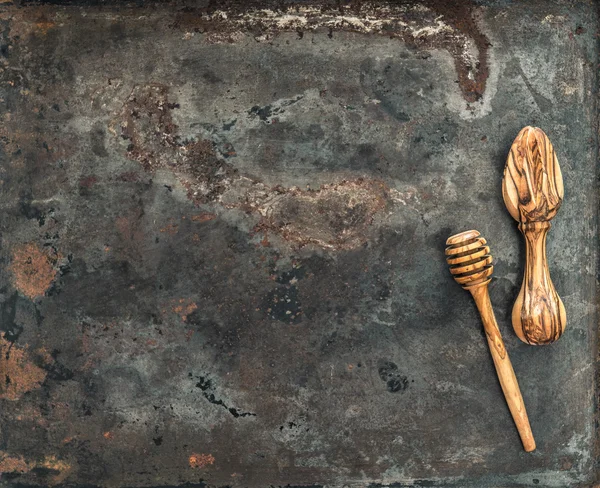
(469, 259)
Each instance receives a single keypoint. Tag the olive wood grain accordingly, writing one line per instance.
(471, 266)
(533, 191)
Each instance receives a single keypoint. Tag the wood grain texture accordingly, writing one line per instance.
(504, 369)
(470, 265)
(533, 191)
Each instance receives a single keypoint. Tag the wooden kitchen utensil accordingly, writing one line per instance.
(532, 188)
(471, 265)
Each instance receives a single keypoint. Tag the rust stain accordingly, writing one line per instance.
(20, 465)
(43, 25)
(30, 413)
(34, 269)
(63, 468)
(336, 216)
(183, 308)
(146, 122)
(44, 356)
(18, 372)
(13, 464)
(26, 22)
(170, 229)
(201, 460)
(429, 24)
(203, 217)
(472, 75)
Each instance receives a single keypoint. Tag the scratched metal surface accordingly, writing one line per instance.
(222, 235)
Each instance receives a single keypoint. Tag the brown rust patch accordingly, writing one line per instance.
(335, 216)
(203, 217)
(472, 75)
(18, 464)
(32, 21)
(44, 25)
(13, 464)
(183, 307)
(146, 123)
(430, 24)
(18, 373)
(34, 269)
(170, 229)
(61, 468)
(29, 413)
(201, 460)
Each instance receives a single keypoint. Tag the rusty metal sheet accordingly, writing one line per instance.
(222, 232)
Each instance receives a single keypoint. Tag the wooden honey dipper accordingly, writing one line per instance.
(471, 266)
(533, 191)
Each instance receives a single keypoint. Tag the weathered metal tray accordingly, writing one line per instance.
(222, 235)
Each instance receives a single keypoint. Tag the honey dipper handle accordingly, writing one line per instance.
(504, 369)
(538, 315)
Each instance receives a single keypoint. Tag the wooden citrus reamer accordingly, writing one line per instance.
(471, 265)
(533, 191)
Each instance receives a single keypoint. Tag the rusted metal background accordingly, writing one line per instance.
(222, 234)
